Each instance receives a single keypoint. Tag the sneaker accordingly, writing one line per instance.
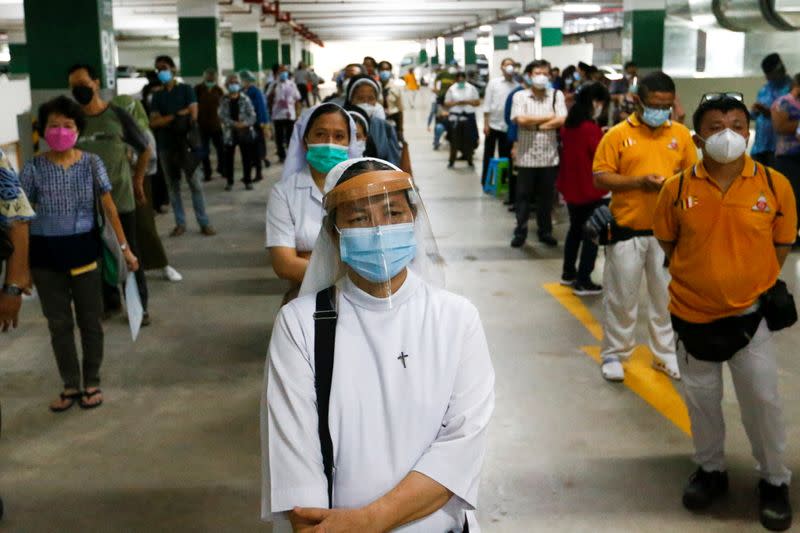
(703, 488)
(775, 510)
(568, 281)
(612, 370)
(548, 240)
(517, 241)
(208, 231)
(170, 274)
(178, 231)
(586, 288)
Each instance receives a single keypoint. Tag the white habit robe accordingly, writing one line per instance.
(389, 415)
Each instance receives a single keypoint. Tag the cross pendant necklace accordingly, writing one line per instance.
(402, 358)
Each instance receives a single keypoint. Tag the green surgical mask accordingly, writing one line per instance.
(210, 84)
(462, 84)
(323, 157)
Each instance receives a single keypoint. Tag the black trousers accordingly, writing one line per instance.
(578, 215)
(303, 89)
(539, 183)
(283, 134)
(248, 151)
(259, 150)
(789, 166)
(111, 297)
(494, 138)
(209, 138)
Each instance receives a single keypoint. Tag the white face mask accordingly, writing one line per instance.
(509, 69)
(725, 146)
(361, 146)
(540, 81)
(373, 110)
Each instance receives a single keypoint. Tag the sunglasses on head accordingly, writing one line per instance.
(713, 97)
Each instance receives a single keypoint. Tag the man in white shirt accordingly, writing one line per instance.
(495, 128)
(461, 101)
(538, 113)
(284, 99)
(398, 367)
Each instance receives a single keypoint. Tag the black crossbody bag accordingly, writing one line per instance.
(325, 319)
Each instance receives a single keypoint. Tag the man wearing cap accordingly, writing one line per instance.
(379, 386)
(262, 118)
(778, 84)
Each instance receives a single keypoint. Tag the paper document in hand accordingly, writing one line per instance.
(133, 305)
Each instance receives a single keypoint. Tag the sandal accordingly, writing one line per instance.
(64, 396)
(86, 395)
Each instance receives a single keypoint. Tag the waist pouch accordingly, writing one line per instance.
(778, 307)
(719, 340)
(603, 229)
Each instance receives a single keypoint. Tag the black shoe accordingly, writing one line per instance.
(508, 202)
(774, 508)
(470, 163)
(586, 288)
(703, 488)
(248, 186)
(267, 164)
(548, 240)
(512, 209)
(228, 187)
(450, 164)
(145, 319)
(568, 280)
(518, 241)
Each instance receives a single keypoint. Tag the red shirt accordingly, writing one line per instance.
(575, 181)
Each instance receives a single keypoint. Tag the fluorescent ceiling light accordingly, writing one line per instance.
(582, 8)
(525, 20)
(485, 27)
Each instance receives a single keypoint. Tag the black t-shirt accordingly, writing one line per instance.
(170, 102)
(234, 108)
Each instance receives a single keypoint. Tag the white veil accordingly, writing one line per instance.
(326, 268)
(296, 153)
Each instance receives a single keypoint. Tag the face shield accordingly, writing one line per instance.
(376, 227)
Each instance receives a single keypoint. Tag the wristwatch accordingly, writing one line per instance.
(123, 247)
(12, 290)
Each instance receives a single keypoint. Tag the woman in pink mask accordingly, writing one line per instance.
(63, 185)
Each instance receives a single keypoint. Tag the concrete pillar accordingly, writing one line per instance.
(449, 51)
(246, 42)
(470, 41)
(432, 47)
(548, 32)
(500, 36)
(643, 32)
(198, 30)
(270, 47)
(422, 57)
(60, 34)
(18, 50)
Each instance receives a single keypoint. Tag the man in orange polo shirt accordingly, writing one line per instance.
(632, 161)
(727, 225)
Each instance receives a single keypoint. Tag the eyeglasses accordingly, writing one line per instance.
(713, 97)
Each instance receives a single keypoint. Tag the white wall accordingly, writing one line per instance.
(336, 54)
(15, 96)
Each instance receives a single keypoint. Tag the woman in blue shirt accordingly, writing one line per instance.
(65, 185)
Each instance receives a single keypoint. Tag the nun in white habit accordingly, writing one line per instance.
(411, 388)
(323, 137)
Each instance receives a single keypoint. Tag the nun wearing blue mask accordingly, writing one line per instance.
(324, 136)
(365, 93)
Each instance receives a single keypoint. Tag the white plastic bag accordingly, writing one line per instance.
(133, 305)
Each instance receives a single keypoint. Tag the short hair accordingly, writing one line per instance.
(656, 82)
(165, 59)
(771, 62)
(461, 74)
(629, 64)
(385, 64)
(725, 104)
(247, 75)
(538, 63)
(90, 70)
(63, 106)
(508, 59)
(210, 71)
(326, 109)
(583, 66)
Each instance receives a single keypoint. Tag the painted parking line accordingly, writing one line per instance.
(652, 386)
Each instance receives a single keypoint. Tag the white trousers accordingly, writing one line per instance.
(755, 378)
(627, 262)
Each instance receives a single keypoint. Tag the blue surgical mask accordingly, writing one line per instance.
(234, 87)
(361, 147)
(283, 76)
(323, 157)
(385, 75)
(528, 80)
(379, 253)
(165, 76)
(655, 117)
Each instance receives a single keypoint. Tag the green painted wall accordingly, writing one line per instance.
(19, 58)
(270, 53)
(286, 54)
(449, 54)
(470, 57)
(645, 29)
(551, 37)
(423, 56)
(435, 60)
(198, 44)
(501, 42)
(245, 51)
(60, 34)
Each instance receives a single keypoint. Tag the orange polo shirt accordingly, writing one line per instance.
(634, 149)
(724, 256)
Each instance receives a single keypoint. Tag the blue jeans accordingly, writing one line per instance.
(172, 172)
(437, 133)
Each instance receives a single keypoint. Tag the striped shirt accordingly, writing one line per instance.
(536, 148)
(64, 199)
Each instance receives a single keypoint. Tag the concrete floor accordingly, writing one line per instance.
(175, 447)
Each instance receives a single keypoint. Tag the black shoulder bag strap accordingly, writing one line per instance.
(677, 201)
(771, 185)
(325, 318)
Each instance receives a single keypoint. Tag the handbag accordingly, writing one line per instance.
(244, 135)
(778, 307)
(717, 341)
(112, 260)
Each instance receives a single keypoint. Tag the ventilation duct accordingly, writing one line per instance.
(752, 15)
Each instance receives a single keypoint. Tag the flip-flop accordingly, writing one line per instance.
(86, 394)
(71, 397)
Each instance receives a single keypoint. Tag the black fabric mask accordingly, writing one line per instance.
(83, 94)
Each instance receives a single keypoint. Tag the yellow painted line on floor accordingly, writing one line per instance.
(652, 386)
